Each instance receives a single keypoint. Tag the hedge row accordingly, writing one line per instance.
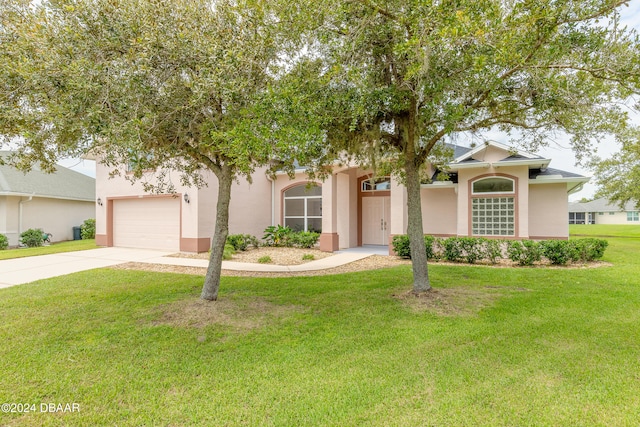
(524, 252)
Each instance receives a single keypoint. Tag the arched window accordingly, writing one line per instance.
(303, 208)
(493, 185)
(493, 207)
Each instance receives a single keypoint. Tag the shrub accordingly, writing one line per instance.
(4, 242)
(241, 242)
(228, 252)
(400, 245)
(524, 252)
(556, 251)
(452, 249)
(88, 229)
(429, 243)
(308, 257)
(492, 250)
(471, 248)
(304, 239)
(265, 259)
(32, 238)
(585, 250)
(277, 235)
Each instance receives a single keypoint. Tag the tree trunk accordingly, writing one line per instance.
(414, 230)
(212, 279)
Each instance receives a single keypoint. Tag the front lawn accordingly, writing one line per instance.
(605, 230)
(54, 248)
(493, 346)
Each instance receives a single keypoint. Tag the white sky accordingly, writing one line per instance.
(559, 152)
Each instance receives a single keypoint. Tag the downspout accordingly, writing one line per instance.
(20, 213)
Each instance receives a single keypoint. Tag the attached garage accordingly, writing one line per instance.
(150, 222)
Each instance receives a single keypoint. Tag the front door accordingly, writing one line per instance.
(376, 212)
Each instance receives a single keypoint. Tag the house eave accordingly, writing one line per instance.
(45, 196)
(458, 166)
(532, 163)
(439, 184)
(573, 184)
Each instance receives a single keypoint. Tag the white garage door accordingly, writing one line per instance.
(150, 223)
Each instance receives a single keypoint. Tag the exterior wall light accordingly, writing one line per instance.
(186, 198)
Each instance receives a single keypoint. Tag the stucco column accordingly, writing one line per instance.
(329, 237)
(398, 212)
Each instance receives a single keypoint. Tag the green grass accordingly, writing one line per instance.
(512, 347)
(55, 248)
(605, 230)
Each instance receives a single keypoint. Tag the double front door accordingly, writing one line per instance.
(376, 212)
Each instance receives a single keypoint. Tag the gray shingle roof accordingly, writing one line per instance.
(63, 184)
(600, 205)
(534, 173)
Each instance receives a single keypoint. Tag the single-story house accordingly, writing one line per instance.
(53, 202)
(492, 191)
(602, 211)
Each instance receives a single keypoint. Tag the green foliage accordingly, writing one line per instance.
(472, 248)
(32, 238)
(618, 177)
(308, 257)
(493, 250)
(277, 235)
(4, 242)
(88, 229)
(453, 250)
(402, 248)
(241, 242)
(556, 251)
(175, 86)
(586, 250)
(524, 252)
(400, 245)
(280, 236)
(228, 252)
(265, 260)
(305, 239)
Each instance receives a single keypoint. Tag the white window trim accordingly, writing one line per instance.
(305, 217)
(513, 185)
(382, 179)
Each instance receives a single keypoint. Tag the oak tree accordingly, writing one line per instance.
(401, 77)
(186, 85)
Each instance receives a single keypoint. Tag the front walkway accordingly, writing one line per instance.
(24, 270)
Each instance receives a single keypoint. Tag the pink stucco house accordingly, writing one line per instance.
(492, 191)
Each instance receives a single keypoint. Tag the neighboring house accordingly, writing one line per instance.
(53, 202)
(492, 191)
(602, 211)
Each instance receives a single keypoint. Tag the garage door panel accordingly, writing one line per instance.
(152, 223)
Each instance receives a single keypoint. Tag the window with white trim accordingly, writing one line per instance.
(377, 184)
(633, 216)
(493, 212)
(303, 208)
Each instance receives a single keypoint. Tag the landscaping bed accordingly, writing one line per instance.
(279, 256)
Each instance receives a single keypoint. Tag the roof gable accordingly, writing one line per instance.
(476, 152)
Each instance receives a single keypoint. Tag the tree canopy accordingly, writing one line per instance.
(186, 85)
(618, 177)
(402, 77)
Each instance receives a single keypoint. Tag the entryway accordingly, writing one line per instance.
(376, 213)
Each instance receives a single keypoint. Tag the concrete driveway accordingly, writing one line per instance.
(24, 270)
